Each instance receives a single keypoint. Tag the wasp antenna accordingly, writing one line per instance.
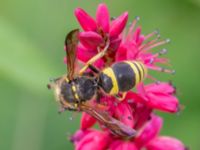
(168, 40)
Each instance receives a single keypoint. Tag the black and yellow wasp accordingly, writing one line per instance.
(74, 91)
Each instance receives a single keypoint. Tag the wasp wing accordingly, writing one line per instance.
(71, 42)
(116, 127)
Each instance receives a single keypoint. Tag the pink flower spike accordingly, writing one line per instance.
(87, 121)
(85, 20)
(149, 131)
(95, 140)
(166, 143)
(102, 17)
(122, 145)
(118, 25)
(90, 39)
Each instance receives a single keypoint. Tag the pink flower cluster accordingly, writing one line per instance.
(137, 108)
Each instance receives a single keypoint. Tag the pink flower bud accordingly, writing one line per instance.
(118, 25)
(103, 17)
(165, 143)
(90, 39)
(122, 145)
(85, 20)
(87, 121)
(95, 140)
(149, 131)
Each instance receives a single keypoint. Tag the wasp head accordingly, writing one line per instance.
(63, 93)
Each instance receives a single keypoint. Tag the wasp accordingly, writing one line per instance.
(75, 91)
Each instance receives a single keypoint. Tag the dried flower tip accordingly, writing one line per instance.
(129, 117)
(115, 104)
(130, 101)
(158, 82)
(167, 70)
(168, 40)
(113, 18)
(151, 60)
(157, 31)
(137, 18)
(61, 109)
(70, 118)
(163, 51)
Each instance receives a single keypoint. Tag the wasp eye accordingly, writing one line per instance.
(49, 86)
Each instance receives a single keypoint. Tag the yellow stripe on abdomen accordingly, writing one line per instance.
(141, 69)
(135, 70)
(109, 72)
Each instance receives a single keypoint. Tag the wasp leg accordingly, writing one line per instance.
(121, 98)
(95, 58)
(94, 69)
(98, 97)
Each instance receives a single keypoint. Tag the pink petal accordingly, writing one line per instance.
(162, 87)
(124, 112)
(85, 20)
(122, 145)
(84, 54)
(163, 102)
(149, 131)
(136, 34)
(165, 143)
(134, 97)
(142, 115)
(90, 39)
(118, 25)
(121, 53)
(87, 121)
(78, 135)
(114, 44)
(102, 17)
(95, 140)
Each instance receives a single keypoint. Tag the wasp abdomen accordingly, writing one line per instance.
(122, 76)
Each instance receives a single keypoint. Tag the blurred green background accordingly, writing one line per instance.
(31, 51)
